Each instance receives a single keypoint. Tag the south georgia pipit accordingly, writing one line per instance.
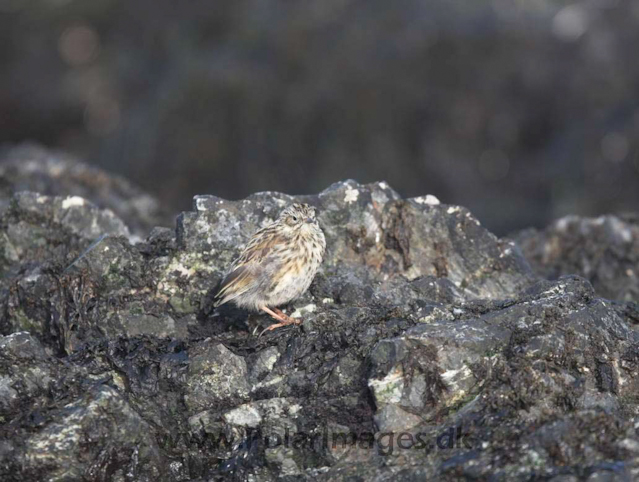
(277, 265)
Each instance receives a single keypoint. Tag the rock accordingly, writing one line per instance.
(125, 445)
(262, 364)
(604, 250)
(34, 224)
(83, 250)
(93, 433)
(282, 459)
(440, 365)
(365, 226)
(217, 377)
(26, 371)
(428, 349)
(113, 263)
(33, 168)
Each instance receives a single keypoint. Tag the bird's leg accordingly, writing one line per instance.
(286, 317)
(281, 317)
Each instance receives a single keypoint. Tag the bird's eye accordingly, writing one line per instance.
(294, 218)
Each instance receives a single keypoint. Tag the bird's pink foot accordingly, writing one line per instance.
(283, 319)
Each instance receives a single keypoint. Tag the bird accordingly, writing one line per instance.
(277, 265)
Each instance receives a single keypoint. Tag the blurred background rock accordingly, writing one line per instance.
(521, 111)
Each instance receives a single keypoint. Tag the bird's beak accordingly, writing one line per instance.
(310, 220)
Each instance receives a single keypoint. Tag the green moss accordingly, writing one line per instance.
(136, 309)
(460, 403)
(182, 304)
(23, 323)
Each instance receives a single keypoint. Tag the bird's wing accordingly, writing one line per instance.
(234, 284)
(244, 273)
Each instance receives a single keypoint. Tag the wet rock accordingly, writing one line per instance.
(70, 254)
(262, 364)
(436, 366)
(283, 461)
(26, 371)
(217, 377)
(67, 415)
(102, 418)
(428, 349)
(604, 250)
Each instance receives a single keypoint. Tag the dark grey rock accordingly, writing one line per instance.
(604, 250)
(26, 371)
(217, 377)
(33, 168)
(262, 363)
(429, 349)
(104, 418)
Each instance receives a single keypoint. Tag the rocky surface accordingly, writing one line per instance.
(29, 167)
(604, 250)
(429, 349)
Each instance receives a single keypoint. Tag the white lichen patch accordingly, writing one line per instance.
(563, 223)
(183, 265)
(473, 219)
(351, 195)
(10, 251)
(267, 383)
(12, 336)
(201, 204)
(429, 200)
(437, 314)
(372, 226)
(304, 310)
(388, 389)
(7, 392)
(72, 201)
(269, 361)
(328, 300)
(630, 445)
(244, 416)
(413, 272)
(449, 376)
(453, 209)
(176, 267)
(294, 409)
(118, 380)
(620, 229)
(506, 252)
(554, 291)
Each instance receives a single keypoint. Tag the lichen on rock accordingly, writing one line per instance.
(429, 349)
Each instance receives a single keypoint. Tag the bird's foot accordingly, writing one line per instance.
(283, 319)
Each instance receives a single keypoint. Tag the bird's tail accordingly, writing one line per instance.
(234, 284)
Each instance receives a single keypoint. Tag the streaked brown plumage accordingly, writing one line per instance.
(277, 265)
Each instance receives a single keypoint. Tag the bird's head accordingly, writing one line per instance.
(298, 216)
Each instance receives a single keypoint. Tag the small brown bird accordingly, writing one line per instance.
(277, 265)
